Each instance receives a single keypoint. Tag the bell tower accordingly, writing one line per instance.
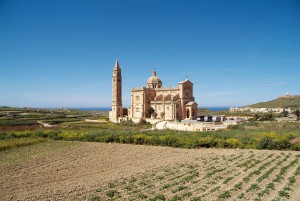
(117, 110)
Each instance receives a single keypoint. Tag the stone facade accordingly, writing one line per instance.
(172, 103)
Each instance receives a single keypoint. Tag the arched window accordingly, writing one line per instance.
(186, 94)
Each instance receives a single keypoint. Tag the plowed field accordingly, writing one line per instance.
(96, 171)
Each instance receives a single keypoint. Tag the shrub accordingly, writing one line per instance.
(138, 139)
(265, 143)
(206, 142)
(232, 143)
(168, 140)
(269, 134)
(281, 143)
(266, 117)
(271, 143)
(91, 137)
(148, 139)
(142, 122)
(296, 147)
(128, 122)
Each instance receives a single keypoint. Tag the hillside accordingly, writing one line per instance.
(285, 101)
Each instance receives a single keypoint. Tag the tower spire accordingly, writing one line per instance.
(117, 64)
(154, 72)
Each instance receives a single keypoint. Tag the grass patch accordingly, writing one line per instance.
(19, 142)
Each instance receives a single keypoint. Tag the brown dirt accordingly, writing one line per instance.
(295, 140)
(69, 170)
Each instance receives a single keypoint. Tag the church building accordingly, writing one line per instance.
(170, 103)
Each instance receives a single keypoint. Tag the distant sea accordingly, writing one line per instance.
(216, 108)
(109, 108)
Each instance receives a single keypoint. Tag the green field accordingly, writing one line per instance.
(22, 125)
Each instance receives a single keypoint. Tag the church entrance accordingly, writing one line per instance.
(187, 113)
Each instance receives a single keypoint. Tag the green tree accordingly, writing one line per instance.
(256, 116)
(284, 113)
(297, 113)
(267, 117)
(149, 111)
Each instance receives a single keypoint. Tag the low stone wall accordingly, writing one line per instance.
(136, 120)
(149, 120)
(184, 126)
(95, 121)
(153, 121)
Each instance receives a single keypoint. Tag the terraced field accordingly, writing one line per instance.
(95, 171)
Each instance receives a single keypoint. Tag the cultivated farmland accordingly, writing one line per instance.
(60, 170)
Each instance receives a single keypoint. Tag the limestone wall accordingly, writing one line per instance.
(182, 126)
(95, 121)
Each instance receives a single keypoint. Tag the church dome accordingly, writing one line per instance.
(154, 81)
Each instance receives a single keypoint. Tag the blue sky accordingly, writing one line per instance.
(60, 53)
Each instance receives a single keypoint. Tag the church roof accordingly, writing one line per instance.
(191, 103)
(154, 79)
(185, 81)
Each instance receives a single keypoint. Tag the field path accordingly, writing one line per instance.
(64, 170)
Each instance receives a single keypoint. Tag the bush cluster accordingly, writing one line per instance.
(265, 140)
(235, 138)
(273, 141)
